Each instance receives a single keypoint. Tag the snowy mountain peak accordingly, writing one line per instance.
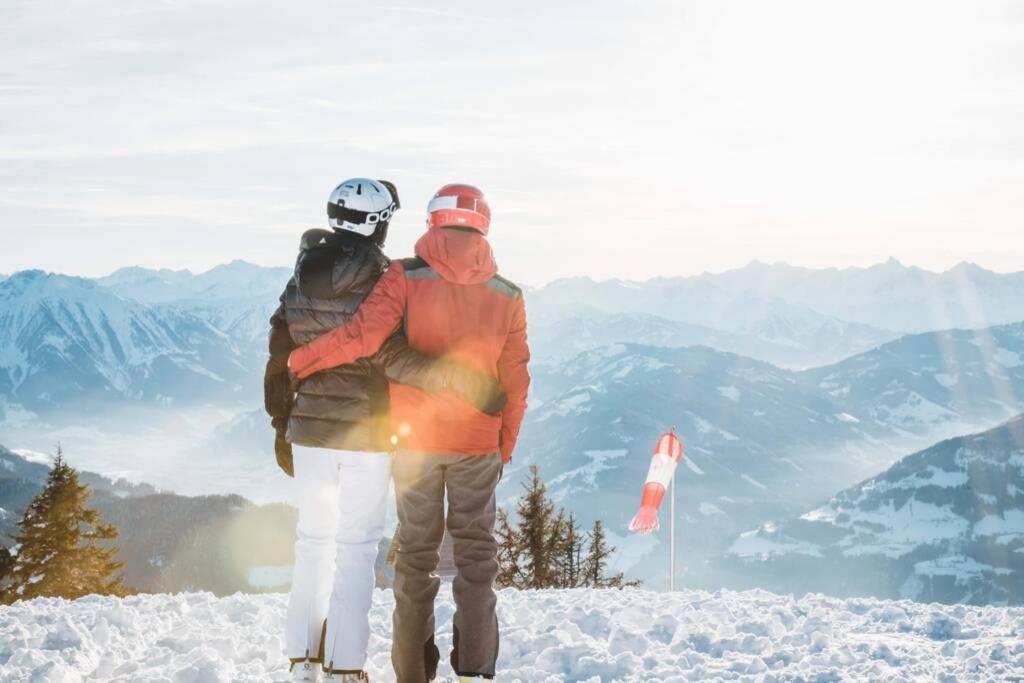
(235, 267)
(973, 272)
(64, 337)
(39, 284)
(893, 263)
(136, 271)
(943, 524)
(956, 378)
(132, 272)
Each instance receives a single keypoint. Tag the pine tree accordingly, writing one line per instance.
(510, 548)
(596, 562)
(544, 547)
(555, 556)
(58, 553)
(529, 551)
(540, 530)
(572, 555)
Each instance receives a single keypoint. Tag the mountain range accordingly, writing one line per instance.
(68, 343)
(952, 377)
(761, 442)
(786, 384)
(788, 339)
(945, 524)
(888, 296)
(175, 337)
(237, 298)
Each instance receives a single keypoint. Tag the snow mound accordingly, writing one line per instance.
(592, 636)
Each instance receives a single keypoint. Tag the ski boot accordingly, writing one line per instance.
(306, 672)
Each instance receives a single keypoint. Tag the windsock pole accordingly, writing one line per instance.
(672, 537)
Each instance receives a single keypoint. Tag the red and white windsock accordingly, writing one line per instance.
(663, 467)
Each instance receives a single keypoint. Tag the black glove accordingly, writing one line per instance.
(283, 451)
(481, 391)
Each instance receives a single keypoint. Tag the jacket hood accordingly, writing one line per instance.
(334, 264)
(459, 256)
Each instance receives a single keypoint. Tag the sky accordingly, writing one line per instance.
(613, 139)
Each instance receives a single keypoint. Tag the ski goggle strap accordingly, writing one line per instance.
(341, 213)
(463, 202)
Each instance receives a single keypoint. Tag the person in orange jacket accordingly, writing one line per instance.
(452, 304)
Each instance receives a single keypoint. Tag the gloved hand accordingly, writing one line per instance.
(283, 451)
(481, 391)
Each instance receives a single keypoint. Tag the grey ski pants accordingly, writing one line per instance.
(421, 481)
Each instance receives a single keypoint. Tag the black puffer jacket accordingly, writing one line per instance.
(342, 408)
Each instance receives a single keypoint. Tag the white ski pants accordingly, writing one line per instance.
(342, 501)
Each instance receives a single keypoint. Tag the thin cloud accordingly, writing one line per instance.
(443, 14)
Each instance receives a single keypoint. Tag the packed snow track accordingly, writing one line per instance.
(631, 635)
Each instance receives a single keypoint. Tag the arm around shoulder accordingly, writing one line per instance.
(378, 317)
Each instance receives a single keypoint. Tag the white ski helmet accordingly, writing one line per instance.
(361, 205)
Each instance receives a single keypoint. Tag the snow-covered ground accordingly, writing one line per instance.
(592, 636)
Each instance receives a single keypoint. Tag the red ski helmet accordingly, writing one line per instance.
(459, 206)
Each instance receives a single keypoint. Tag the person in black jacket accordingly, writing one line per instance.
(333, 430)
